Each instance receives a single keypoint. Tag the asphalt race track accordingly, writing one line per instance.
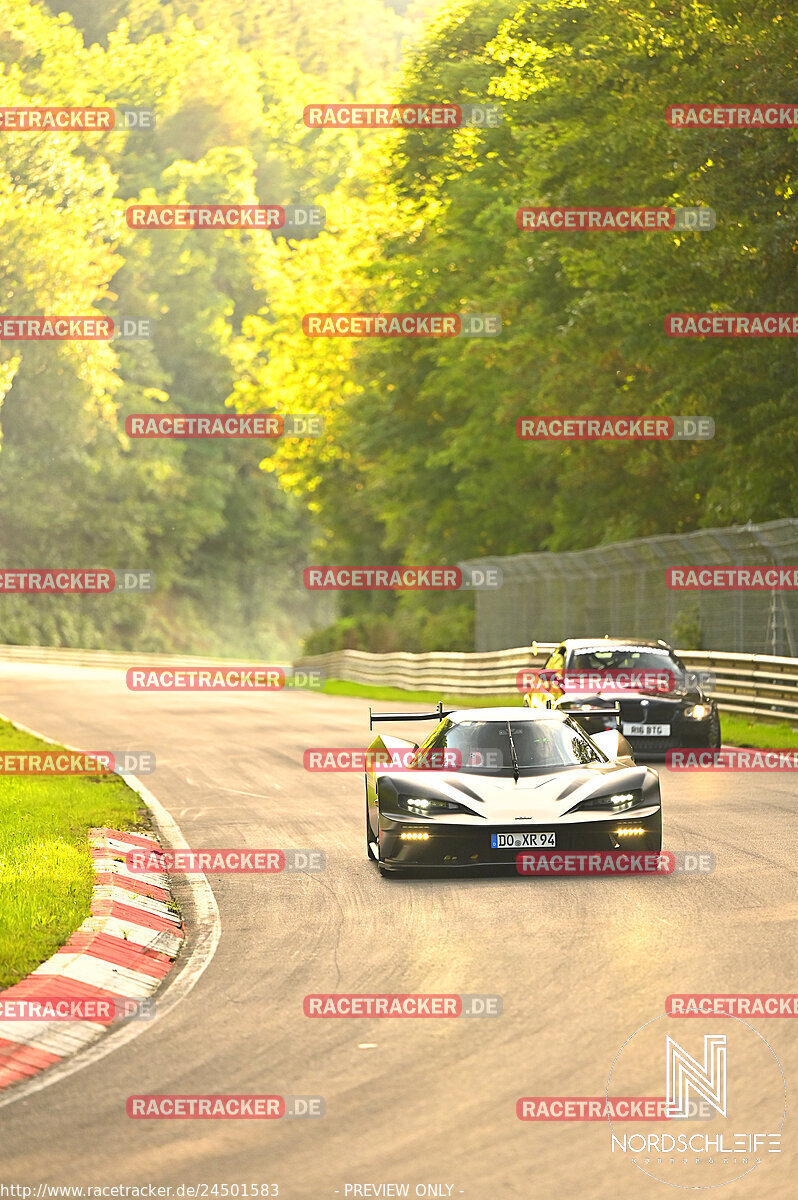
(580, 964)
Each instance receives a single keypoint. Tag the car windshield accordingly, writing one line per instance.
(487, 747)
(625, 658)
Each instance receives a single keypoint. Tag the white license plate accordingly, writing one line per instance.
(521, 841)
(646, 730)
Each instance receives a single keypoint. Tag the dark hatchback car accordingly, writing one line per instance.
(641, 688)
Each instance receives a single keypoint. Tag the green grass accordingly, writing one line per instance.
(342, 687)
(46, 871)
(736, 731)
(739, 731)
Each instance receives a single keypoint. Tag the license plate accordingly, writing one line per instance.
(521, 841)
(646, 730)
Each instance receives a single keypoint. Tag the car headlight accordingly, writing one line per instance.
(697, 712)
(614, 804)
(422, 807)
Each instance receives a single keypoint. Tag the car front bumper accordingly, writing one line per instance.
(457, 847)
(685, 733)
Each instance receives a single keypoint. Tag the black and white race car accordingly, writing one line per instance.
(490, 782)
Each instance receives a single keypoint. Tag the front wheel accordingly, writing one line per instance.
(714, 733)
(369, 839)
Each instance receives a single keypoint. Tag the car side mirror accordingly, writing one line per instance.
(613, 744)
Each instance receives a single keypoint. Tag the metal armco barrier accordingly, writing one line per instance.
(62, 657)
(755, 685)
(465, 674)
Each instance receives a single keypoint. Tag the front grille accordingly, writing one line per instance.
(651, 745)
(656, 712)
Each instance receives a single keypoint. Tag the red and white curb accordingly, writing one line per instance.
(121, 952)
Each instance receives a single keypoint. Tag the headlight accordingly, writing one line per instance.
(697, 712)
(615, 804)
(422, 807)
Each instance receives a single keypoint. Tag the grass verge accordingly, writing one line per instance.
(342, 687)
(46, 871)
(737, 731)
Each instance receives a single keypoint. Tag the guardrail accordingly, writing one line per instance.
(121, 659)
(756, 685)
(491, 672)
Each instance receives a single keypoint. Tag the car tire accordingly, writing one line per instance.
(714, 741)
(369, 852)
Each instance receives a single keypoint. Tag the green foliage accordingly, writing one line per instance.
(686, 629)
(226, 540)
(424, 448)
(419, 462)
(413, 628)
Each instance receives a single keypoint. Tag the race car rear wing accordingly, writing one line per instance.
(438, 715)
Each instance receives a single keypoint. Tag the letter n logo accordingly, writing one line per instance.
(683, 1074)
